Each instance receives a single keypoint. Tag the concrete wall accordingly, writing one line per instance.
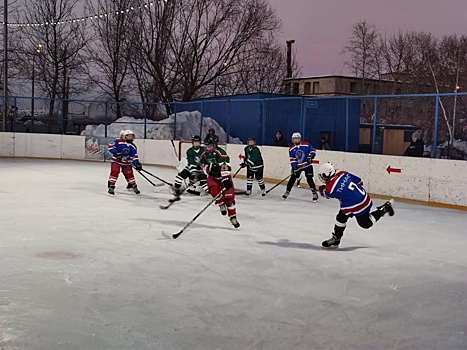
(435, 181)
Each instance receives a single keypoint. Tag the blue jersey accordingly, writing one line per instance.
(299, 153)
(347, 188)
(128, 151)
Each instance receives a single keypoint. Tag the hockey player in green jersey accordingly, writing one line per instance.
(253, 161)
(215, 162)
(192, 170)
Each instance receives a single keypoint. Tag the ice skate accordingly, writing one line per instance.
(223, 209)
(387, 207)
(315, 195)
(111, 190)
(333, 242)
(263, 192)
(248, 192)
(286, 194)
(135, 190)
(175, 198)
(234, 221)
(129, 187)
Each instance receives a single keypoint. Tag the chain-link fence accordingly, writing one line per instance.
(371, 124)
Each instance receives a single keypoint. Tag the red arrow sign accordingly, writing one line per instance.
(392, 170)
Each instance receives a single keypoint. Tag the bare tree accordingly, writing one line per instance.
(188, 46)
(363, 50)
(62, 44)
(108, 52)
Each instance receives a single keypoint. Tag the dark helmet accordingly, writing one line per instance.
(211, 131)
(210, 141)
(252, 139)
(196, 138)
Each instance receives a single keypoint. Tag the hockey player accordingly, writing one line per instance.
(215, 162)
(253, 161)
(301, 156)
(193, 169)
(354, 201)
(124, 158)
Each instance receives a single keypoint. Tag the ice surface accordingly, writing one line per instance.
(80, 269)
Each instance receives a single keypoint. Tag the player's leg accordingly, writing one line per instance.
(130, 177)
(249, 181)
(215, 187)
(114, 171)
(311, 182)
(179, 179)
(369, 219)
(290, 184)
(339, 228)
(259, 178)
(229, 200)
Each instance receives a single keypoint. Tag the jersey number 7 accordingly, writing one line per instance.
(353, 186)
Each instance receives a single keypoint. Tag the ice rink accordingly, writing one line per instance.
(81, 269)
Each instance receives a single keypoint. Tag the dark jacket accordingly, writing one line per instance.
(415, 149)
(281, 142)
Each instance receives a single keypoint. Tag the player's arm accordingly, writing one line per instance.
(293, 160)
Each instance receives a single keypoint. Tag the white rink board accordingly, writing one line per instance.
(73, 147)
(428, 180)
(7, 144)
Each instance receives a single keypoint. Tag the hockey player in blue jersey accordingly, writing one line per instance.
(354, 201)
(124, 158)
(301, 155)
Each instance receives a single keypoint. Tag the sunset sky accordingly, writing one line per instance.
(321, 28)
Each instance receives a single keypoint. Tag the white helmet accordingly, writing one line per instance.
(122, 133)
(326, 171)
(127, 133)
(296, 135)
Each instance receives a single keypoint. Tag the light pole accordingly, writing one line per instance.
(36, 53)
(455, 99)
(5, 63)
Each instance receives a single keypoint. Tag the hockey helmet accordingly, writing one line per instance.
(128, 135)
(196, 138)
(251, 139)
(210, 141)
(326, 171)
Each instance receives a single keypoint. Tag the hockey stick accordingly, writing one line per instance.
(288, 176)
(157, 177)
(176, 235)
(152, 183)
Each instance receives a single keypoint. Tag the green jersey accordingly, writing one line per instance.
(253, 158)
(219, 156)
(193, 156)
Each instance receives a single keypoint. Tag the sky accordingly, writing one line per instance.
(94, 271)
(321, 28)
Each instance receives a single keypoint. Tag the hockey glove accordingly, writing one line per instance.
(243, 165)
(118, 156)
(214, 170)
(227, 183)
(321, 190)
(139, 167)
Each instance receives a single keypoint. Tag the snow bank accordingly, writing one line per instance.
(187, 125)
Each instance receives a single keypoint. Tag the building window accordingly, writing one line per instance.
(307, 88)
(287, 88)
(353, 87)
(316, 87)
(295, 87)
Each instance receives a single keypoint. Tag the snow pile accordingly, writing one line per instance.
(188, 124)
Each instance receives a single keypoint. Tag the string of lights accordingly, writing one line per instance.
(83, 19)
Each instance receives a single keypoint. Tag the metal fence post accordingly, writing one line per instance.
(62, 121)
(375, 119)
(263, 122)
(106, 113)
(435, 136)
(175, 121)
